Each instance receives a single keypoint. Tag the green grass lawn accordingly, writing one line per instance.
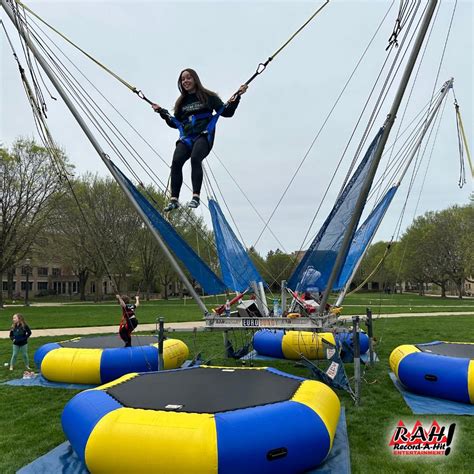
(30, 419)
(109, 313)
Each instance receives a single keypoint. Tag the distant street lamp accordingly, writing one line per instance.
(27, 289)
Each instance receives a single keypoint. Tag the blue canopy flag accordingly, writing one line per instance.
(323, 251)
(237, 268)
(208, 280)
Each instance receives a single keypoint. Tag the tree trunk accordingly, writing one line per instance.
(83, 277)
(10, 278)
(443, 290)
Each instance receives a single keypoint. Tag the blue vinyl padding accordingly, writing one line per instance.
(64, 459)
(424, 405)
(347, 337)
(120, 361)
(285, 374)
(451, 374)
(92, 406)
(245, 451)
(42, 351)
(269, 343)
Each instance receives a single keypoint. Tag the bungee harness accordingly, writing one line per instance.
(209, 132)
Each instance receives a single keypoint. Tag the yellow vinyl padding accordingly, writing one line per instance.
(398, 354)
(323, 401)
(309, 344)
(72, 365)
(132, 440)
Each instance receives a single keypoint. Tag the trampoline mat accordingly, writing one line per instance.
(204, 390)
(451, 349)
(107, 342)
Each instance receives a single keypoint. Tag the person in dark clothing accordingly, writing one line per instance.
(19, 334)
(129, 321)
(196, 123)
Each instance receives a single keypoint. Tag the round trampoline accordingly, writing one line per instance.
(294, 344)
(437, 369)
(204, 420)
(101, 359)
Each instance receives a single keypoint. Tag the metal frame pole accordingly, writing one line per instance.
(161, 339)
(104, 157)
(370, 333)
(356, 348)
(378, 152)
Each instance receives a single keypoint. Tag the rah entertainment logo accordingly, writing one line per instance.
(434, 440)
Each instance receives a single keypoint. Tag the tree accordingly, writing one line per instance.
(29, 191)
(278, 267)
(386, 274)
(438, 248)
(96, 233)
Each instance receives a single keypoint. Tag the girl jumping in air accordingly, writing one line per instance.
(196, 123)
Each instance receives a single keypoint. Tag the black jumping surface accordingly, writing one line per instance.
(451, 349)
(203, 390)
(108, 342)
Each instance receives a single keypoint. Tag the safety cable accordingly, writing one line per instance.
(52, 149)
(462, 140)
(261, 67)
(306, 154)
(259, 70)
(109, 141)
(67, 84)
(381, 98)
(292, 263)
(242, 241)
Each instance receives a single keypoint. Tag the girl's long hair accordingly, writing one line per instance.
(201, 92)
(21, 320)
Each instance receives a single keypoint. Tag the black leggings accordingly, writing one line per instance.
(182, 154)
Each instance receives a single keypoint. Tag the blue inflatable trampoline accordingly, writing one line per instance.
(204, 420)
(437, 369)
(294, 344)
(100, 359)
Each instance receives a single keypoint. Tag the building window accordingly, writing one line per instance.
(56, 272)
(42, 285)
(23, 285)
(43, 271)
(24, 268)
(5, 286)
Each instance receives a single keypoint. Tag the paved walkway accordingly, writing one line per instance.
(186, 326)
(190, 325)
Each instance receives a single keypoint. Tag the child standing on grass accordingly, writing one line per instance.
(19, 334)
(129, 321)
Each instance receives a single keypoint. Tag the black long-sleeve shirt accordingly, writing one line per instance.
(19, 334)
(191, 105)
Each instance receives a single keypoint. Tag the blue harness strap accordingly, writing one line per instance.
(209, 132)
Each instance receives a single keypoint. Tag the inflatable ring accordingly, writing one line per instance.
(101, 359)
(204, 420)
(294, 344)
(437, 369)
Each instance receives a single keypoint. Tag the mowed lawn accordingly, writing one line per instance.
(30, 419)
(109, 313)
